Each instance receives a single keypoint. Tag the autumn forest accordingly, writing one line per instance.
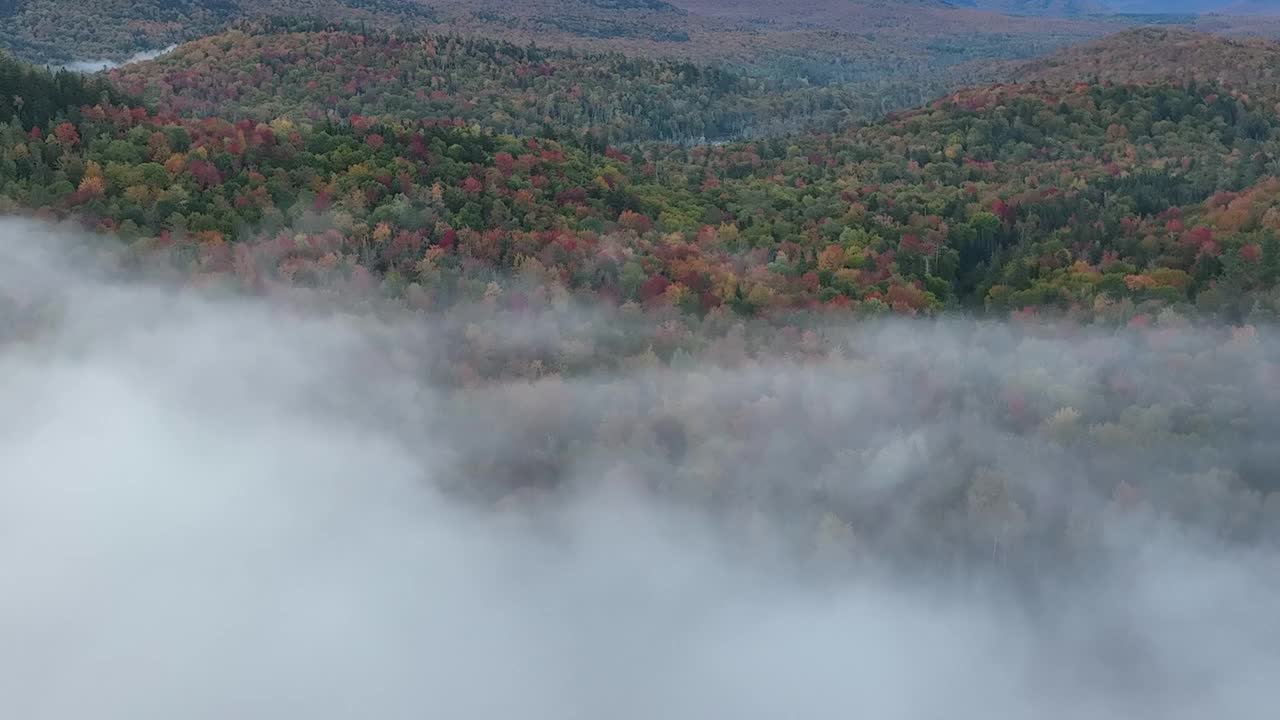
(973, 301)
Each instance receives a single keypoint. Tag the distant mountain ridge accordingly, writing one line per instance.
(1161, 7)
(1165, 55)
(1065, 8)
(1071, 8)
(810, 40)
(1253, 7)
(813, 40)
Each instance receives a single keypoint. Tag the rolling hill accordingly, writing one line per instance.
(1066, 8)
(1159, 7)
(1252, 7)
(1096, 199)
(1168, 55)
(813, 39)
(810, 34)
(266, 71)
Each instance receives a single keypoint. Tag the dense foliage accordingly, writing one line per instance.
(524, 90)
(1171, 55)
(33, 97)
(63, 30)
(56, 31)
(1096, 200)
(903, 52)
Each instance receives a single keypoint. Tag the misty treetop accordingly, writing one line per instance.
(1051, 510)
(1036, 451)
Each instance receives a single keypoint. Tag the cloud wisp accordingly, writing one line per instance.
(99, 65)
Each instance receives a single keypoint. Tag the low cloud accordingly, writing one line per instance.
(215, 507)
(93, 66)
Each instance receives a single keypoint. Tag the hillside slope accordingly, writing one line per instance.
(1157, 7)
(1252, 7)
(1058, 8)
(344, 73)
(806, 38)
(1171, 55)
(1071, 198)
(32, 97)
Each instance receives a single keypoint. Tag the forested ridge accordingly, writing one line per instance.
(62, 30)
(33, 97)
(931, 46)
(1164, 54)
(306, 71)
(1096, 200)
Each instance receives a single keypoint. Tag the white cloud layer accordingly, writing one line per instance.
(212, 509)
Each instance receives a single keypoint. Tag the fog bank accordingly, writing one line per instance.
(214, 507)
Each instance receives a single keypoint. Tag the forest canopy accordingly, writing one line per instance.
(1101, 201)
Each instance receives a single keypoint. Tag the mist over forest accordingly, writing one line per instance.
(99, 65)
(215, 506)
(639, 359)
